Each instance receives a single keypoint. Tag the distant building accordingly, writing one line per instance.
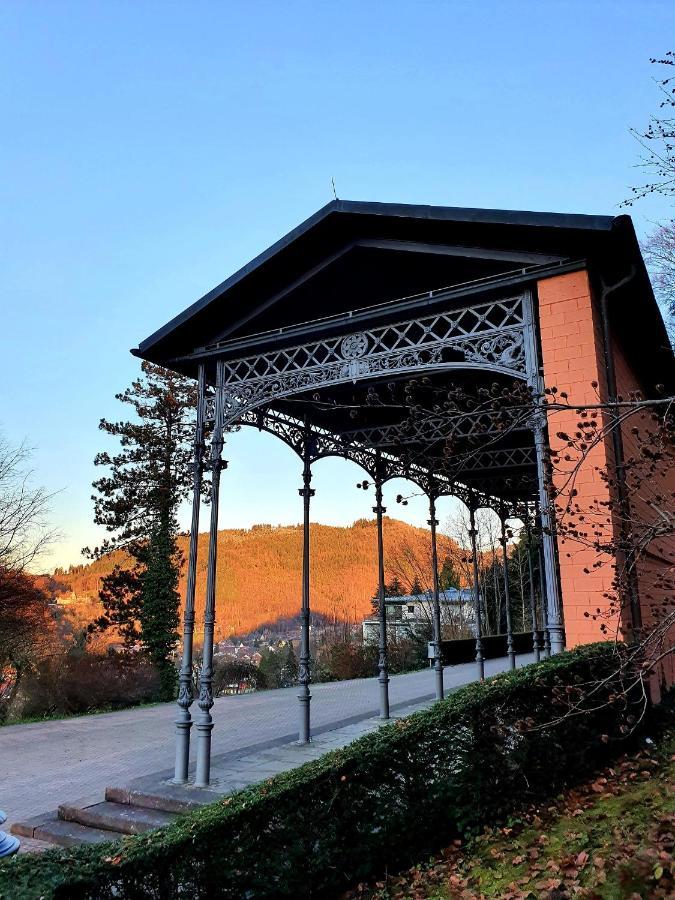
(411, 614)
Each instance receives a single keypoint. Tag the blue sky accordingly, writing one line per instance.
(149, 149)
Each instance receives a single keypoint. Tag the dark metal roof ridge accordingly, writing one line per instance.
(360, 207)
(471, 214)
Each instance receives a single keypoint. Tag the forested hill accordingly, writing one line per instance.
(259, 571)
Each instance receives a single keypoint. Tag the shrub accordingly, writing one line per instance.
(72, 683)
(232, 676)
(342, 660)
(407, 655)
(386, 799)
(278, 667)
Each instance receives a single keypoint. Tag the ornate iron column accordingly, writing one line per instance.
(205, 722)
(438, 660)
(511, 653)
(304, 696)
(546, 512)
(379, 510)
(544, 603)
(473, 533)
(533, 601)
(185, 695)
(548, 548)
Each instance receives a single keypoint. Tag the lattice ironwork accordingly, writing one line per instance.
(434, 428)
(489, 336)
(492, 336)
(511, 488)
(378, 465)
(490, 460)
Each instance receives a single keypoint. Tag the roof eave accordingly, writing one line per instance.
(358, 207)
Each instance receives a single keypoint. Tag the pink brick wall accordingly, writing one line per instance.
(573, 358)
(572, 355)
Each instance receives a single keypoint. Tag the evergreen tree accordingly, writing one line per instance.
(279, 666)
(289, 671)
(449, 577)
(136, 502)
(394, 588)
(416, 588)
(375, 603)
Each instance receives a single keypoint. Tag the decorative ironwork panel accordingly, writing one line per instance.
(384, 466)
(488, 335)
(489, 460)
(433, 428)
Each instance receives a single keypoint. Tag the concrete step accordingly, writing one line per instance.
(50, 828)
(169, 798)
(120, 817)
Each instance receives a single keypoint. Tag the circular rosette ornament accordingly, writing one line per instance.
(354, 346)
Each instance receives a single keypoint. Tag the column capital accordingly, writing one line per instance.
(214, 464)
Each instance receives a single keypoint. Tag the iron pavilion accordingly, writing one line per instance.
(339, 340)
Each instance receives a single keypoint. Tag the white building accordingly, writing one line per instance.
(412, 614)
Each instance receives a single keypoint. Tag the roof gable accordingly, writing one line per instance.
(457, 244)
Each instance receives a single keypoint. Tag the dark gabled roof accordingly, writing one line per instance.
(365, 254)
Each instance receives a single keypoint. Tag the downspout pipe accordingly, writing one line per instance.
(617, 438)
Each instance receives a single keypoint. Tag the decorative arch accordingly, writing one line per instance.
(489, 337)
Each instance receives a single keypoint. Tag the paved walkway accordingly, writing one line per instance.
(73, 760)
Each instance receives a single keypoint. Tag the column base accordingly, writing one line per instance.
(557, 640)
(203, 773)
(438, 670)
(384, 698)
(183, 727)
(304, 731)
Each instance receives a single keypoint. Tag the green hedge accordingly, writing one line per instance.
(383, 801)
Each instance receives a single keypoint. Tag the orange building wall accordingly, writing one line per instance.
(572, 356)
(656, 581)
(573, 359)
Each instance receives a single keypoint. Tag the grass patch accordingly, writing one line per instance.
(612, 837)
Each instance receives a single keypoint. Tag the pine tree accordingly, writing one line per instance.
(137, 504)
(394, 588)
(449, 577)
(416, 588)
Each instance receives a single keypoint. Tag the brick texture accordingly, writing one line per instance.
(573, 358)
(573, 363)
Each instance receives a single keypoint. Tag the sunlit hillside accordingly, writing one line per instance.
(259, 571)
